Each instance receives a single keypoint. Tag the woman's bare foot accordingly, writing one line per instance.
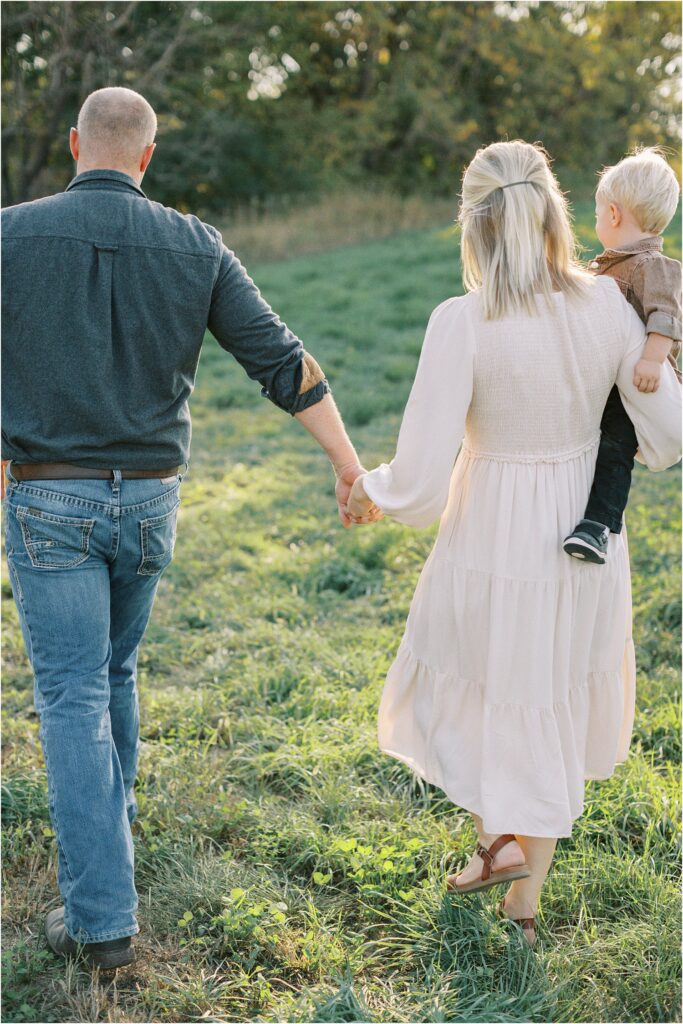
(510, 856)
(517, 910)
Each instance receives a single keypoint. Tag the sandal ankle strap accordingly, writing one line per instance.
(488, 856)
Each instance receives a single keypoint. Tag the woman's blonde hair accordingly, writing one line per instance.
(517, 239)
(645, 184)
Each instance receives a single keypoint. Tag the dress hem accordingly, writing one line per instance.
(471, 809)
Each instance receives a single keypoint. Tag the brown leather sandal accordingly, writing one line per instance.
(490, 877)
(527, 924)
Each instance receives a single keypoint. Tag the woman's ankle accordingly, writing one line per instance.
(509, 855)
(487, 839)
(516, 905)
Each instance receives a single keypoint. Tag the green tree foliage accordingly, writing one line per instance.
(265, 99)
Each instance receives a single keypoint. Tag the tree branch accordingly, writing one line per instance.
(119, 22)
(165, 57)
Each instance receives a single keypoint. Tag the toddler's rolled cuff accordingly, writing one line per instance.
(660, 322)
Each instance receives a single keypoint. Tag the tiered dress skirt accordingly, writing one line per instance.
(515, 679)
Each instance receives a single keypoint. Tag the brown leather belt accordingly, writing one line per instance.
(65, 471)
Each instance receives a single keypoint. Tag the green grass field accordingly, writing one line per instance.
(287, 870)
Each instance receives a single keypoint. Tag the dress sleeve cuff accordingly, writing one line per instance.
(376, 483)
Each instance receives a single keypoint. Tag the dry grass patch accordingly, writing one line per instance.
(343, 218)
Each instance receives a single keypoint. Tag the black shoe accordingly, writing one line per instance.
(105, 955)
(588, 541)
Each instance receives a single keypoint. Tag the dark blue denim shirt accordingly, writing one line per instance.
(106, 297)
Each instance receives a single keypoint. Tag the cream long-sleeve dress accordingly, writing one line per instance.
(515, 678)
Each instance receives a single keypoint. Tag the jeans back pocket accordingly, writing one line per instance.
(157, 541)
(54, 542)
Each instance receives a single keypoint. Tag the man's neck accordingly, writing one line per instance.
(82, 167)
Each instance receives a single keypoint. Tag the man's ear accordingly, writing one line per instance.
(615, 215)
(74, 144)
(147, 156)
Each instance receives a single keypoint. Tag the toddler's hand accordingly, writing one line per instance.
(646, 375)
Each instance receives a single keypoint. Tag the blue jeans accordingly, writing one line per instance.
(85, 557)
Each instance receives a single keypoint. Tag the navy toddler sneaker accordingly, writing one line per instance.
(588, 541)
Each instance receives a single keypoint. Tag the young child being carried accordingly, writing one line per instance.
(634, 202)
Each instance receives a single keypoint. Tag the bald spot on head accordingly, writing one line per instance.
(115, 125)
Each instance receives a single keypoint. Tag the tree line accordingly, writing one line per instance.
(264, 100)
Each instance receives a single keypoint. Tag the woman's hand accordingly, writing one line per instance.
(360, 508)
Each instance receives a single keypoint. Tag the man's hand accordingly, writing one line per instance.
(346, 476)
(348, 483)
(323, 421)
(646, 375)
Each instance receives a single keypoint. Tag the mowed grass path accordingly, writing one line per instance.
(288, 870)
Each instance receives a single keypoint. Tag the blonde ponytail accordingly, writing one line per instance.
(517, 240)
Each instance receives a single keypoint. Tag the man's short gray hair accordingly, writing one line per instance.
(116, 123)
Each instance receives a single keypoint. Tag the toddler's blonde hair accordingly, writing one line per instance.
(646, 185)
(517, 239)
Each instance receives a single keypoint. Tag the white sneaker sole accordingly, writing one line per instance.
(578, 548)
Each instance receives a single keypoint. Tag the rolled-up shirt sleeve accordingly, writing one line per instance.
(657, 282)
(244, 325)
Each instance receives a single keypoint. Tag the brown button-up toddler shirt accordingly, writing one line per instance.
(651, 283)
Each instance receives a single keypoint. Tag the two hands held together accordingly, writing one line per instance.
(354, 504)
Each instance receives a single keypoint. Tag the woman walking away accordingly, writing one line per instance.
(515, 678)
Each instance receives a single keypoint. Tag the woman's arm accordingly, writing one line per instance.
(413, 487)
(656, 416)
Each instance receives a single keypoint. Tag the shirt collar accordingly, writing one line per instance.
(105, 179)
(653, 243)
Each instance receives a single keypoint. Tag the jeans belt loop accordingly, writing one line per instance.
(116, 486)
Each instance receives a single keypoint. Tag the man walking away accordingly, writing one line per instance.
(106, 298)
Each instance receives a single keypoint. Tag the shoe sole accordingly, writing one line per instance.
(497, 878)
(104, 961)
(581, 549)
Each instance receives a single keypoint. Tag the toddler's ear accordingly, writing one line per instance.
(615, 215)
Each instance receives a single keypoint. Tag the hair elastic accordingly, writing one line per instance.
(511, 183)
